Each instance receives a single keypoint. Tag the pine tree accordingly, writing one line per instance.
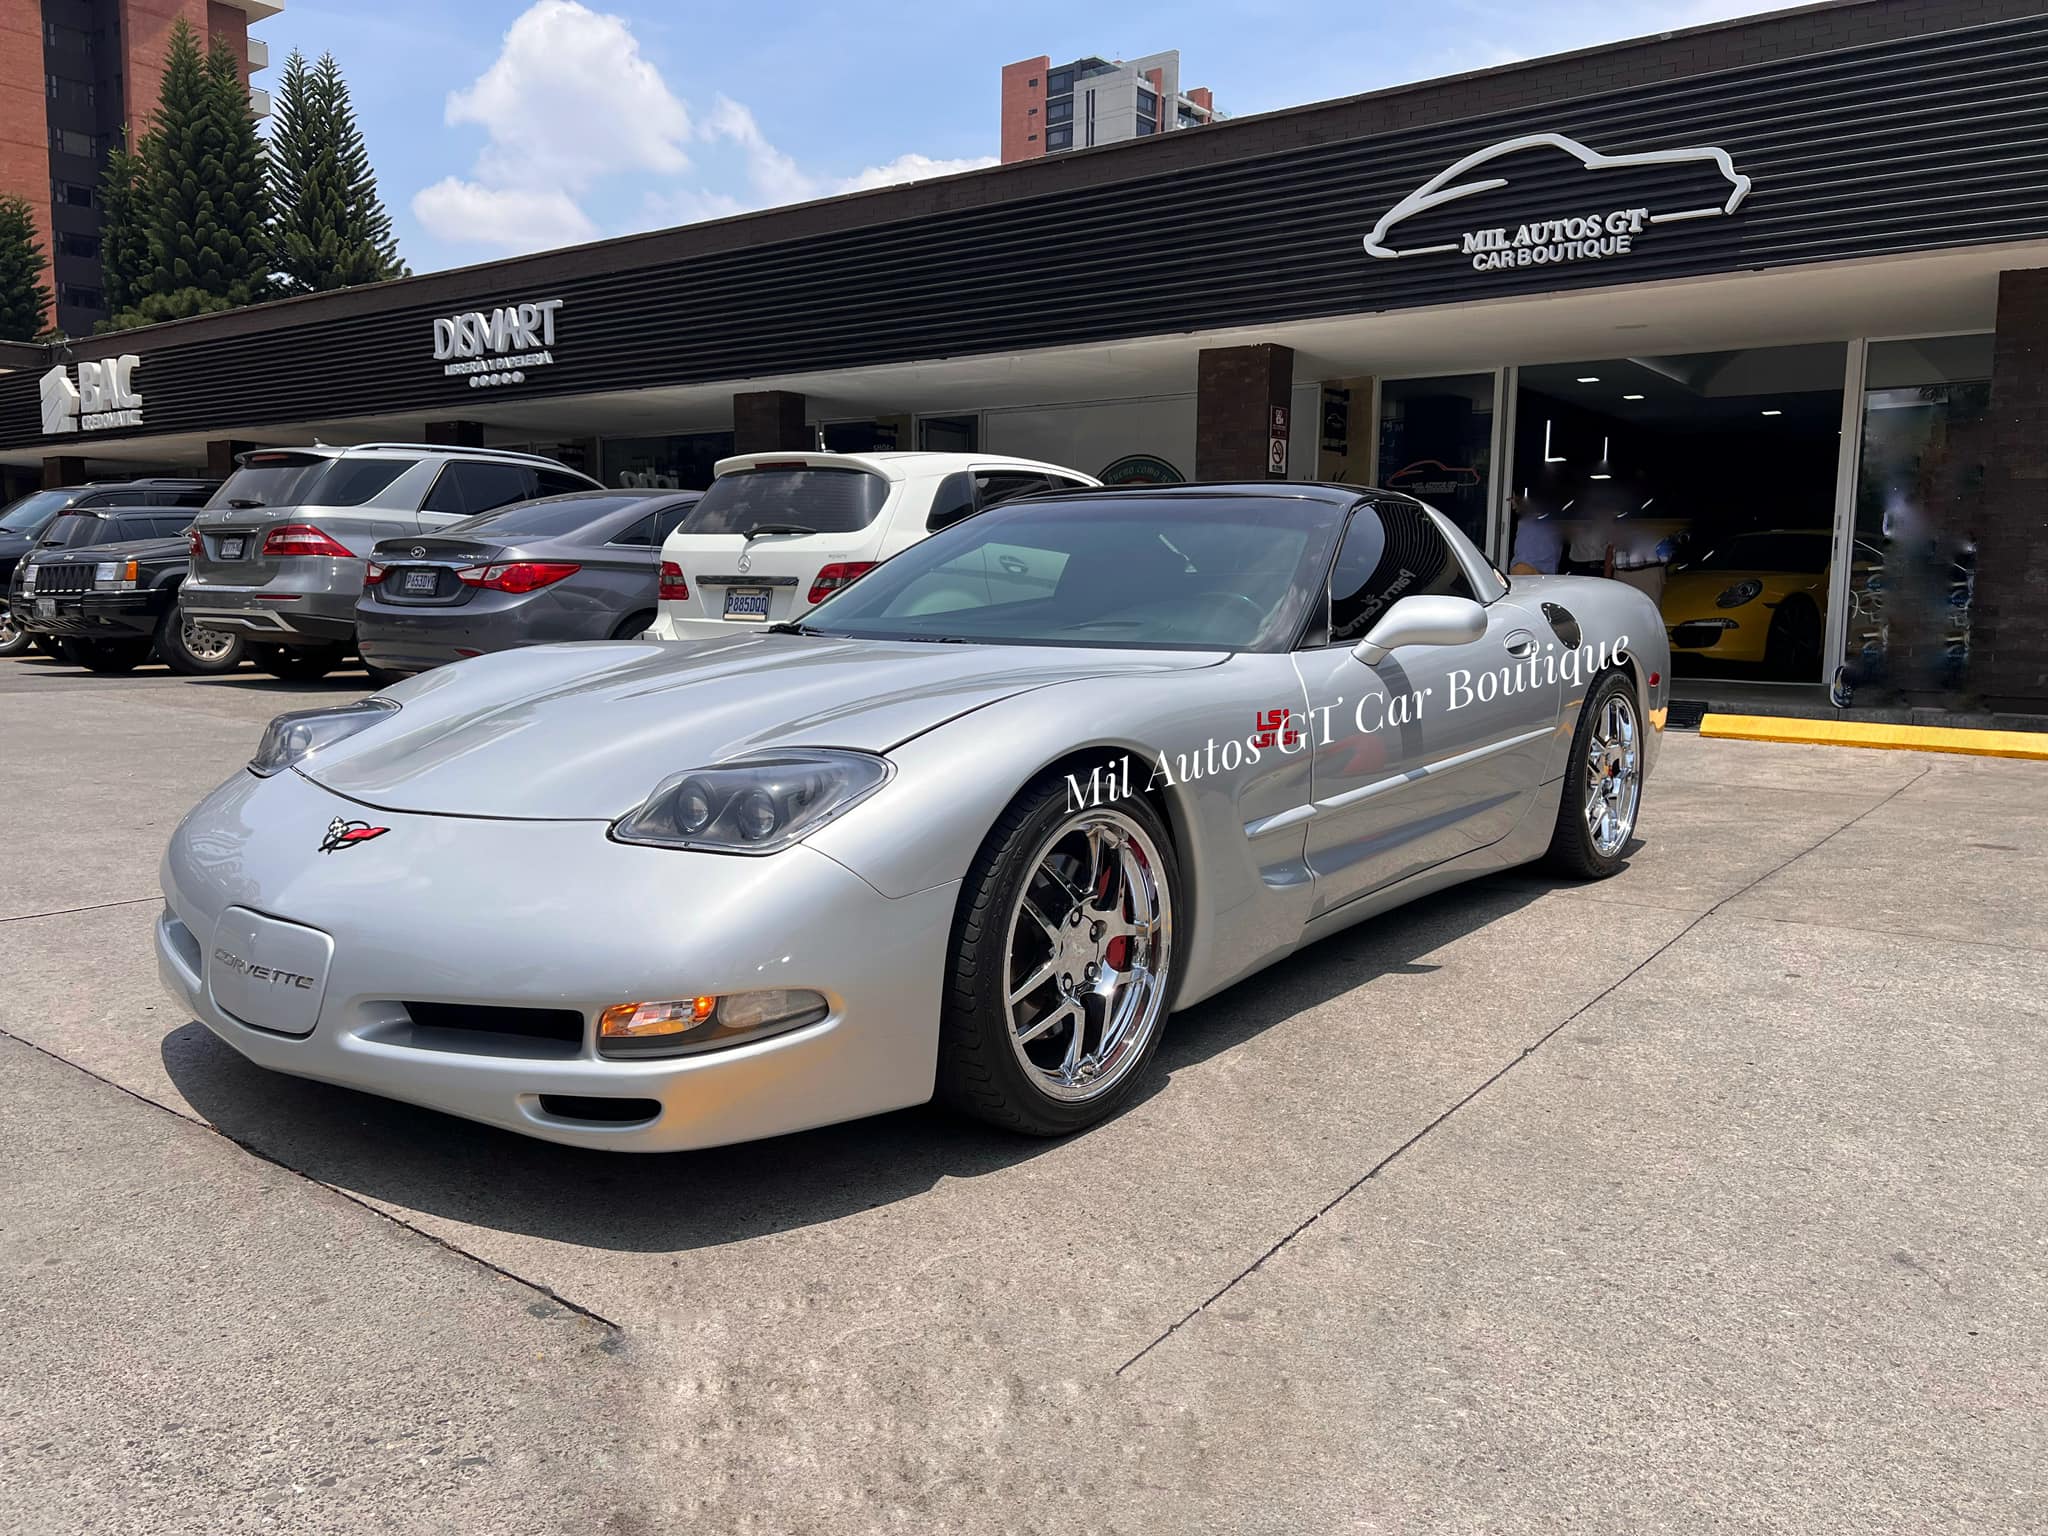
(24, 297)
(202, 204)
(331, 229)
(124, 244)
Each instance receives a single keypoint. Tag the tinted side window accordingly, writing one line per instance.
(667, 519)
(1389, 552)
(467, 487)
(170, 524)
(354, 482)
(639, 534)
(1000, 485)
(553, 482)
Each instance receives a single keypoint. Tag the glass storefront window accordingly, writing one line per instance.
(1912, 575)
(680, 463)
(1436, 444)
(949, 434)
(1707, 480)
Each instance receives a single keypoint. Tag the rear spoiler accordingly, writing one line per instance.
(801, 458)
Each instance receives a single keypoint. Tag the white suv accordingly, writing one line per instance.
(777, 532)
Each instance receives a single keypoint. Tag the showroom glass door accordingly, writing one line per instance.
(1708, 480)
(1438, 441)
(1909, 587)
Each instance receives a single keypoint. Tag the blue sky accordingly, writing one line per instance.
(507, 125)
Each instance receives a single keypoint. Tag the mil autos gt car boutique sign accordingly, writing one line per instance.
(497, 347)
(1617, 197)
(103, 396)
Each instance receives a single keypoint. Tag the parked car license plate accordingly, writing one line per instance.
(231, 549)
(46, 608)
(746, 602)
(421, 581)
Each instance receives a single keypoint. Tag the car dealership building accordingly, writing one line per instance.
(1767, 298)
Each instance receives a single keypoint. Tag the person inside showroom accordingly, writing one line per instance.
(1539, 546)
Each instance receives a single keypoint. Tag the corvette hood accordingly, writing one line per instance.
(568, 732)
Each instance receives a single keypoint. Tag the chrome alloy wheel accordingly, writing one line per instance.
(9, 632)
(1614, 776)
(1090, 949)
(208, 645)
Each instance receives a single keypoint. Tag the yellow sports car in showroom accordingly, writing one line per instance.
(1756, 598)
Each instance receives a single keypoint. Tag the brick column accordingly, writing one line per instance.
(768, 419)
(2009, 625)
(1237, 389)
(63, 471)
(456, 434)
(220, 457)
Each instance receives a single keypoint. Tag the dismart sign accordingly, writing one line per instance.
(103, 396)
(494, 347)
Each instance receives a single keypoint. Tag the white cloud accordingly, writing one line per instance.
(570, 97)
(516, 219)
(912, 167)
(570, 101)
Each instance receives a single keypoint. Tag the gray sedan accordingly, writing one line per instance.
(578, 567)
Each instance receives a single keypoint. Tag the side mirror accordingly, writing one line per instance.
(1422, 620)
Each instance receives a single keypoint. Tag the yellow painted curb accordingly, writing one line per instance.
(1893, 738)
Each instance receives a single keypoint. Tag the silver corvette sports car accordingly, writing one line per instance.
(973, 827)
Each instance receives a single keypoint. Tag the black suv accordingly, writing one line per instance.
(103, 586)
(22, 524)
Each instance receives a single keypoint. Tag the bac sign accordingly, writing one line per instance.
(103, 397)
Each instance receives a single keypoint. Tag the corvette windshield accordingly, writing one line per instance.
(1209, 572)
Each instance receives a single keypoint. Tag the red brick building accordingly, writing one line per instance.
(76, 77)
(1048, 108)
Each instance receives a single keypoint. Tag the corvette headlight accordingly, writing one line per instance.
(754, 804)
(1742, 592)
(290, 739)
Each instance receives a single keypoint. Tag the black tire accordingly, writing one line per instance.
(300, 663)
(1792, 647)
(107, 655)
(174, 645)
(979, 1071)
(1573, 850)
(14, 640)
(630, 626)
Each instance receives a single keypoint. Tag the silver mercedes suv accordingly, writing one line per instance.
(278, 554)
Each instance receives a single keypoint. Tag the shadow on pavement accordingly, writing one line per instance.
(424, 1161)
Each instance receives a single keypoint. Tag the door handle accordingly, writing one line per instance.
(1520, 643)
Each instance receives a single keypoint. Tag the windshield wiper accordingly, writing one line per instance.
(792, 629)
(760, 528)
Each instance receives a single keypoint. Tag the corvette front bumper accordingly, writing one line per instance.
(545, 918)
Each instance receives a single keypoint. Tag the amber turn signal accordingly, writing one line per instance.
(627, 1020)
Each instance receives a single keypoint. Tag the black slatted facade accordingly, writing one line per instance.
(1901, 145)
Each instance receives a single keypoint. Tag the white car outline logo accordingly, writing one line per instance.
(60, 402)
(1438, 190)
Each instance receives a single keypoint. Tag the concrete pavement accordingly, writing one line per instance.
(1708, 1197)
